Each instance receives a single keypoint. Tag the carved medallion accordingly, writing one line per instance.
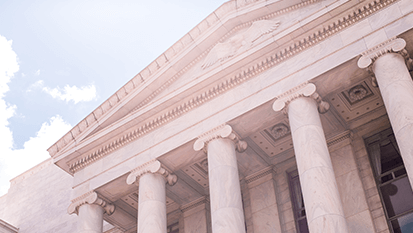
(357, 93)
(277, 131)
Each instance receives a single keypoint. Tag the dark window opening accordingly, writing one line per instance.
(298, 203)
(392, 181)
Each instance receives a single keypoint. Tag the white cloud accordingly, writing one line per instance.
(8, 64)
(68, 93)
(8, 67)
(15, 161)
(37, 73)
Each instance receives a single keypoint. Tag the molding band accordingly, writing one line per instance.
(153, 166)
(339, 138)
(90, 198)
(258, 175)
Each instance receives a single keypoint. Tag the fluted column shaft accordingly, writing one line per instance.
(396, 88)
(152, 204)
(321, 197)
(90, 218)
(227, 214)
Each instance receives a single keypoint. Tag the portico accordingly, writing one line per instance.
(253, 122)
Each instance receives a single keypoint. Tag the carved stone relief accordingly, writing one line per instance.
(229, 48)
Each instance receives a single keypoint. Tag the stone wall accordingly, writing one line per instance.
(350, 187)
(37, 201)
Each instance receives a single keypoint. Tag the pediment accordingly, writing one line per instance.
(226, 44)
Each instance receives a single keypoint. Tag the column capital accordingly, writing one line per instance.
(154, 167)
(304, 90)
(394, 45)
(90, 198)
(222, 131)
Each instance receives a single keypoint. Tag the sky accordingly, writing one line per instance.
(59, 60)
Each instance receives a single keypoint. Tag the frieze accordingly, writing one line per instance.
(278, 57)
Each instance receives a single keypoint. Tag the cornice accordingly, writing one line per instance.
(154, 167)
(308, 40)
(303, 90)
(222, 131)
(90, 197)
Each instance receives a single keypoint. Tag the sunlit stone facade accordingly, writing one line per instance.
(268, 116)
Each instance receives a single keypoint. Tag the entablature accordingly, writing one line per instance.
(215, 81)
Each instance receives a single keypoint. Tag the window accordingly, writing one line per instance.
(173, 228)
(392, 181)
(298, 203)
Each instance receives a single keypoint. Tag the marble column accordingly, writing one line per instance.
(320, 192)
(227, 214)
(396, 88)
(151, 178)
(90, 209)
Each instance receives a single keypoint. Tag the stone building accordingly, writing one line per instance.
(268, 116)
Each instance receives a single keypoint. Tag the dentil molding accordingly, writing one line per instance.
(222, 131)
(154, 167)
(90, 198)
(304, 90)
